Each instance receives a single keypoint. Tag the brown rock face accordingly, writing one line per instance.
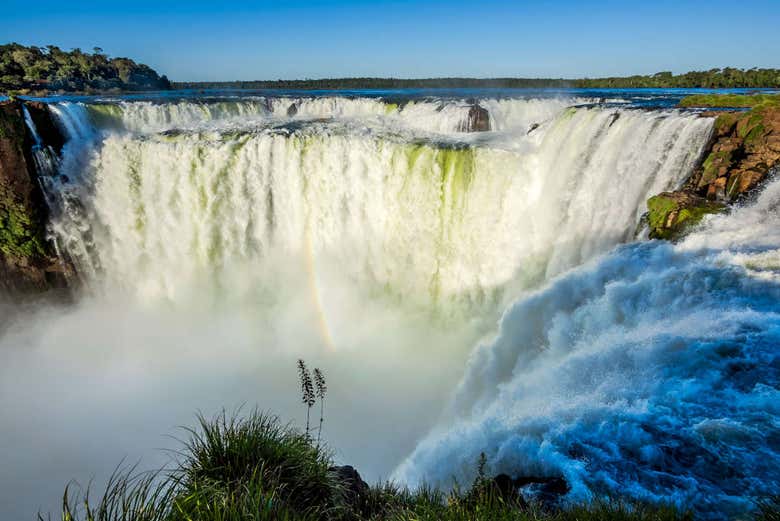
(27, 262)
(478, 119)
(45, 125)
(745, 148)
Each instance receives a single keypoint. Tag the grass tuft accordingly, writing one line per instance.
(228, 454)
(255, 468)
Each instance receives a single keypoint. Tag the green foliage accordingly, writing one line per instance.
(484, 503)
(52, 69)
(712, 164)
(725, 122)
(255, 469)
(728, 77)
(731, 100)
(259, 455)
(20, 235)
(21, 232)
(725, 78)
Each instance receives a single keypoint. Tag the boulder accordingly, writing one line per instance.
(477, 119)
(744, 148)
(292, 110)
(742, 154)
(353, 485)
(547, 490)
(670, 214)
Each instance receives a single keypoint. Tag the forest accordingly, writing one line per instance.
(51, 69)
(714, 78)
(32, 70)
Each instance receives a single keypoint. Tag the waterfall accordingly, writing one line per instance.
(434, 218)
(650, 374)
(218, 240)
(435, 115)
(45, 158)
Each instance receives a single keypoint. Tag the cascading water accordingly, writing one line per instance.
(431, 217)
(651, 373)
(221, 239)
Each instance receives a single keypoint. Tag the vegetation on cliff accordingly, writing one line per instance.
(743, 152)
(670, 214)
(731, 100)
(255, 468)
(27, 261)
(21, 227)
(34, 69)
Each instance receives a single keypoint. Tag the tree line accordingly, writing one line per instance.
(728, 77)
(49, 68)
(46, 69)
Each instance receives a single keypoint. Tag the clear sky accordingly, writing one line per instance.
(245, 39)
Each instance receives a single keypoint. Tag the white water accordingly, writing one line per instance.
(218, 242)
(438, 116)
(431, 223)
(650, 373)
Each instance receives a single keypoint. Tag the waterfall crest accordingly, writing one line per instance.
(443, 218)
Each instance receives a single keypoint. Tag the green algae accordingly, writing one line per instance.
(670, 219)
(731, 100)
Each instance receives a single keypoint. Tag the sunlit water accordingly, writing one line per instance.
(219, 238)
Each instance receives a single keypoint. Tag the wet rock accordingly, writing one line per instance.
(27, 261)
(745, 147)
(545, 490)
(532, 128)
(353, 485)
(743, 153)
(292, 110)
(670, 214)
(46, 125)
(477, 120)
(506, 488)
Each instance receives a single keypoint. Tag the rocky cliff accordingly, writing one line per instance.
(27, 260)
(743, 152)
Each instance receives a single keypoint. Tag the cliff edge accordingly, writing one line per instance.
(28, 263)
(743, 152)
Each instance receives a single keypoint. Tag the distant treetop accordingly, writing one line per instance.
(727, 78)
(35, 69)
(50, 69)
(714, 78)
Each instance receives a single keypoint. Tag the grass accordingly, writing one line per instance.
(258, 457)
(255, 468)
(731, 100)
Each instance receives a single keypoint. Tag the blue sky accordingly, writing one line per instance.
(198, 40)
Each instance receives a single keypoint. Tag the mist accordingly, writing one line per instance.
(111, 379)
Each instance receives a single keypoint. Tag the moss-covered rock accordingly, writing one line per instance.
(27, 262)
(731, 100)
(671, 214)
(744, 148)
